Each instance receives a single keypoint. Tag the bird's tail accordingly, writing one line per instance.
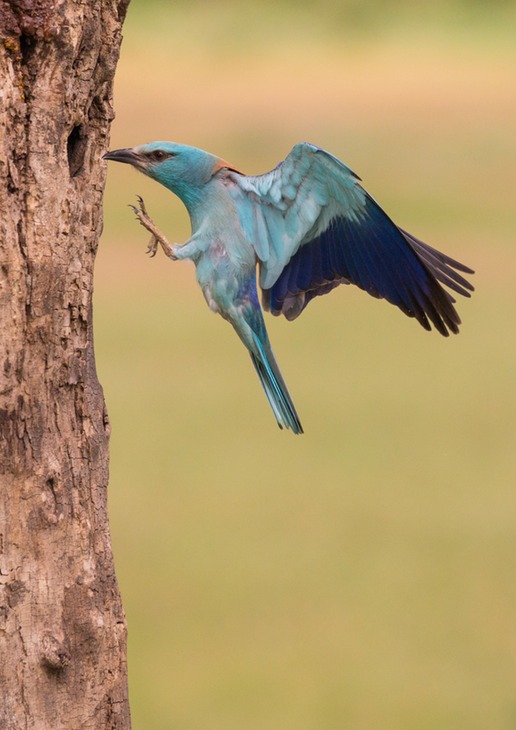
(274, 386)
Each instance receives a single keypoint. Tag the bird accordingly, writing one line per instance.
(298, 231)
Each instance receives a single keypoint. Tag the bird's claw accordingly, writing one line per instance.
(152, 247)
(157, 237)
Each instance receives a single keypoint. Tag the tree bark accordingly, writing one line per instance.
(62, 626)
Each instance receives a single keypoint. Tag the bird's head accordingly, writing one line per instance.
(182, 169)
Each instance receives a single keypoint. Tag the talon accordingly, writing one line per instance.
(137, 212)
(152, 247)
(157, 237)
(142, 205)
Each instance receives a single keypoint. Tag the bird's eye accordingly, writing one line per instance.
(160, 155)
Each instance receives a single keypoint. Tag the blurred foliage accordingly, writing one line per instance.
(360, 576)
(228, 24)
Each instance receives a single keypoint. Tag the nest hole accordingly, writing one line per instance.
(76, 148)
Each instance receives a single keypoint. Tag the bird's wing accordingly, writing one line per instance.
(313, 226)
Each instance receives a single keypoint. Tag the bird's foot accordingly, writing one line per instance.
(157, 237)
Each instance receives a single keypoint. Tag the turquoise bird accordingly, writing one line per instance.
(308, 225)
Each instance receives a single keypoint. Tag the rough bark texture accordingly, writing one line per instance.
(62, 626)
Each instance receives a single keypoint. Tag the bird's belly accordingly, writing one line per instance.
(211, 297)
(218, 278)
(220, 270)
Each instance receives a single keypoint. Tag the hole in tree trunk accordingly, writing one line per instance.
(27, 46)
(76, 147)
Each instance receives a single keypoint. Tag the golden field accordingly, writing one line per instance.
(362, 576)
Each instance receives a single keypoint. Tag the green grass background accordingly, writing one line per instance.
(362, 576)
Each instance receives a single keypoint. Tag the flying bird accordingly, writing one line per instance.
(308, 225)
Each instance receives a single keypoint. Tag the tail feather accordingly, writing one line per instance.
(275, 388)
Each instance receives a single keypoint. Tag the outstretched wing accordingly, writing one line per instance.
(313, 227)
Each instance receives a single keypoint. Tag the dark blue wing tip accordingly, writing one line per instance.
(381, 259)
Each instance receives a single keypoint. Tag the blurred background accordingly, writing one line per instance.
(362, 576)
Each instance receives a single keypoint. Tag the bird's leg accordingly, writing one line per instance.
(157, 237)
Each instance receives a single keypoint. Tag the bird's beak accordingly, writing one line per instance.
(128, 155)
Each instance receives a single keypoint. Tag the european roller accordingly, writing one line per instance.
(308, 226)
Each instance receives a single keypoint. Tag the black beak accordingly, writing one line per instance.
(127, 155)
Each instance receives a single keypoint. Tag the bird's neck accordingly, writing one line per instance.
(202, 203)
(193, 199)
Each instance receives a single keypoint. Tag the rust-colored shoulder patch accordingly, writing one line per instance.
(223, 165)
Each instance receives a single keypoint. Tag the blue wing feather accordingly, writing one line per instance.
(324, 229)
(378, 257)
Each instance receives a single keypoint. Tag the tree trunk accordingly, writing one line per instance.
(62, 626)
